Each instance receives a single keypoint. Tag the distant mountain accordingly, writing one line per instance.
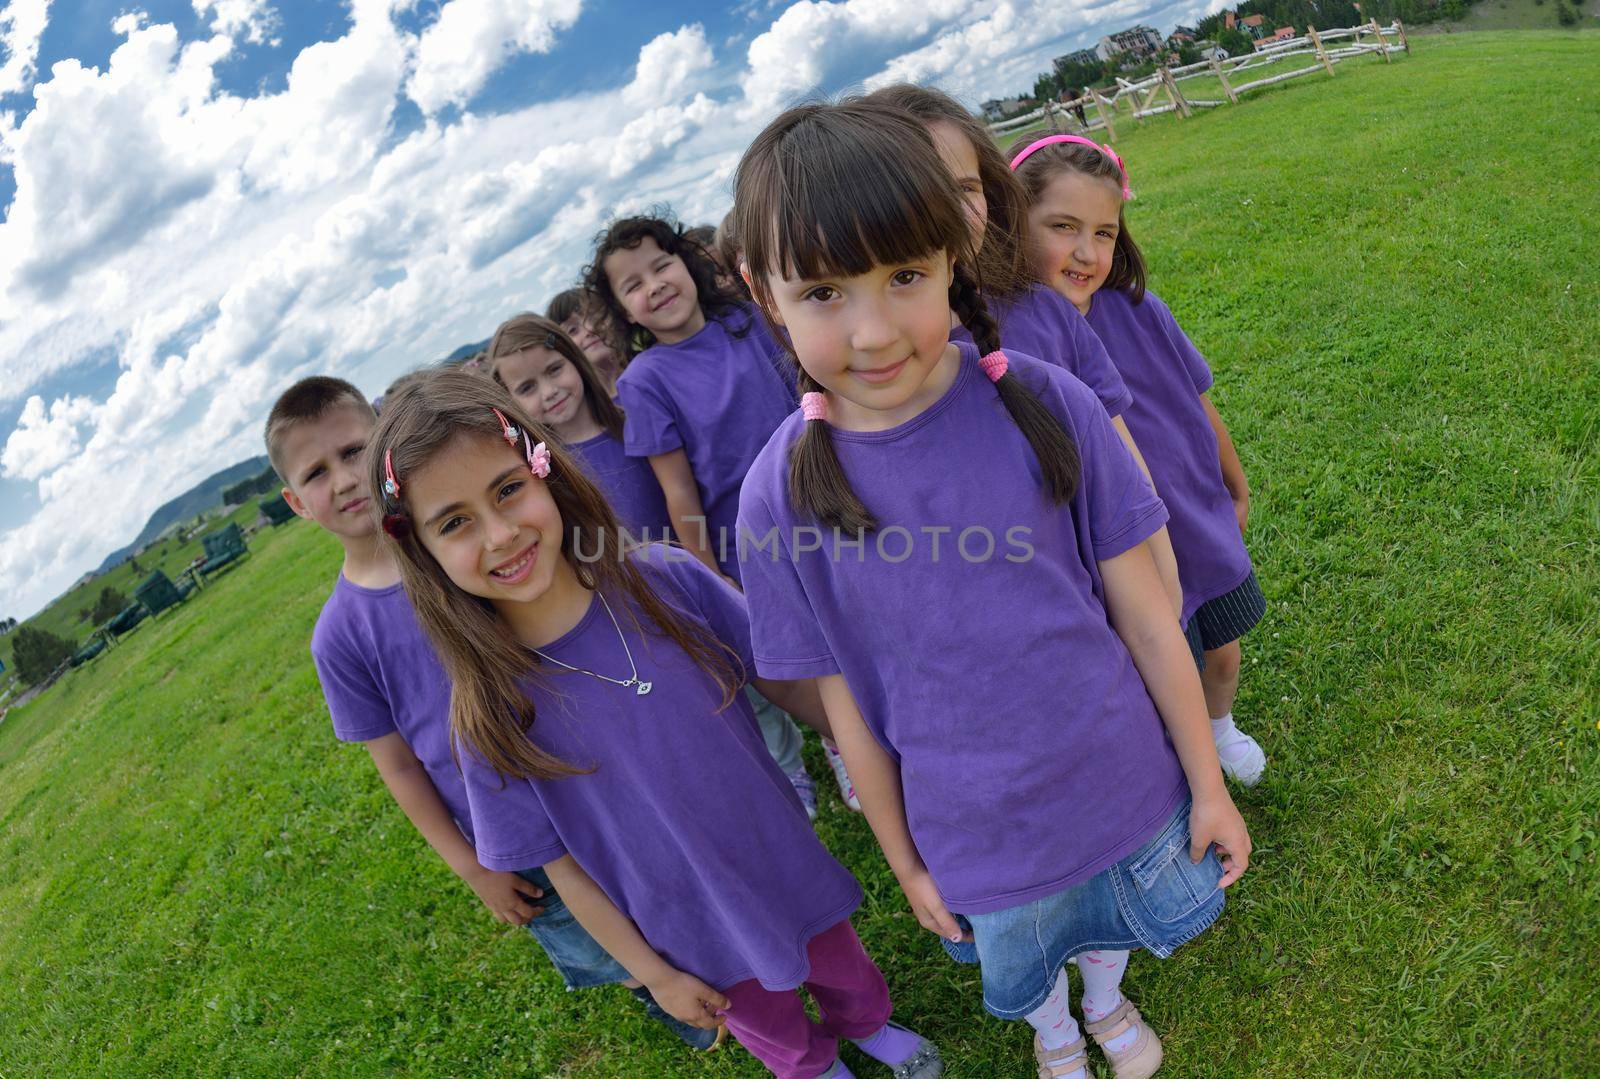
(463, 352)
(205, 495)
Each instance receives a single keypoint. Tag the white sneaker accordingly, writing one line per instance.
(847, 788)
(1242, 757)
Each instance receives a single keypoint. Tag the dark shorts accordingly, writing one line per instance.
(1154, 899)
(577, 956)
(1225, 619)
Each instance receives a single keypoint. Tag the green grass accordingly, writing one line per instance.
(1396, 289)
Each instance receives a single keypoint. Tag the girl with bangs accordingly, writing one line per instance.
(600, 733)
(995, 651)
(1031, 316)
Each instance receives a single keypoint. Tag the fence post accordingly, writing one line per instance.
(1227, 88)
(1050, 114)
(1105, 117)
(1322, 54)
(1383, 45)
(1404, 41)
(1177, 95)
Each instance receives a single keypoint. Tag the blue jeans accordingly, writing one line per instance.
(577, 956)
(1154, 899)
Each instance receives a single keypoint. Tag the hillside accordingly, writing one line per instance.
(1394, 286)
(203, 496)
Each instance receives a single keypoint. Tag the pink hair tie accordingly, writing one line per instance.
(1051, 140)
(994, 365)
(813, 406)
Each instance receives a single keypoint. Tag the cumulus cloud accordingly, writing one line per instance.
(667, 65)
(252, 20)
(44, 438)
(472, 38)
(22, 23)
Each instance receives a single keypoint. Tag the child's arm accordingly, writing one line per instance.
(505, 894)
(1160, 542)
(1135, 604)
(683, 505)
(685, 996)
(1232, 470)
(877, 781)
(799, 698)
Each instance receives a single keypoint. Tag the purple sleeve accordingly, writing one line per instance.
(1193, 362)
(786, 639)
(1123, 509)
(510, 827)
(359, 709)
(650, 423)
(1095, 368)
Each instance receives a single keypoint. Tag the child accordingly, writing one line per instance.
(1018, 708)
(601, 735)
(384, 686)
(554, 382)
(1082, 246)
(705, 386)
(577, 313)
(1032, 318)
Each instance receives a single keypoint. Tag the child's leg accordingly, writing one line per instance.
(1131, 1047)
(777, 1031)
(1102, 982)
(854, 1002)
(1058, 1045)
(783, 738)
(1241, 755)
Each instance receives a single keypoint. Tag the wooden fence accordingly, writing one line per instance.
(1162, 92)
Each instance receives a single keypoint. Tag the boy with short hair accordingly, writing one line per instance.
(385, 687)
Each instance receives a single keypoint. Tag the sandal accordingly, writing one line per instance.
(1056, 1063)
(1141, 1059)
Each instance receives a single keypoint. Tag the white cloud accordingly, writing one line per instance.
(253, 20)
(667, 65)
(44, 439)
(472, 38)
(22, 23)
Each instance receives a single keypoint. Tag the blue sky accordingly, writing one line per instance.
(203, 200)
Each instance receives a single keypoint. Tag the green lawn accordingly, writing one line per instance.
(1396, 286)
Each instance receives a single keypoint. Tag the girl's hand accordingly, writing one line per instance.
(507, 896)
(1213, 819)
(690, 1000)
(1241, 509)
(929, 908)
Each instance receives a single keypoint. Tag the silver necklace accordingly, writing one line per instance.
(640, 687)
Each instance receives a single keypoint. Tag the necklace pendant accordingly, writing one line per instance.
(642, 688)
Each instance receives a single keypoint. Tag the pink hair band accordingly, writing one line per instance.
(813, 406)
(1051, 140)
(994, 365)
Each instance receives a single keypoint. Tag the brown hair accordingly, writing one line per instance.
(309, 399)
(716, 298)
(566, 303)
(489, 711)
(528, 330)
(1048, 162)
(1003, 257)
(839, 189)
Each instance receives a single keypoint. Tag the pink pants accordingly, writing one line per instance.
(851, 996)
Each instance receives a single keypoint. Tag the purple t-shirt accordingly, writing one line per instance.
(719, 397)
(380, 675)
(1031, 756)
(1169, 423)
(1041, 322)
(686, 822)
(629, 485)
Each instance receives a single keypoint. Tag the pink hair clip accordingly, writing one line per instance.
(391, 486)
(994, 365)
(507, 430)
(539, 460)
(813, 406)
(1051, 140)
(538, 455)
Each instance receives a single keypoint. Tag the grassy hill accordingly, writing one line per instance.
(1395, 286)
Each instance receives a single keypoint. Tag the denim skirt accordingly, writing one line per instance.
(1155, 899)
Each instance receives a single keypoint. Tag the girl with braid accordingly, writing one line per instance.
(950, 538)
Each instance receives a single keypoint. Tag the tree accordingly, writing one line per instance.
(1045, 87)
(1235, 41)
(7, 625)
(109, 605)
(38, 652)
(1565, 15)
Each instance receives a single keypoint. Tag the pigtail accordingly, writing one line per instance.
(817, 483)
(1052, 444)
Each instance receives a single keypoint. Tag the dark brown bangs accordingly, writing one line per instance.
(848, 187)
